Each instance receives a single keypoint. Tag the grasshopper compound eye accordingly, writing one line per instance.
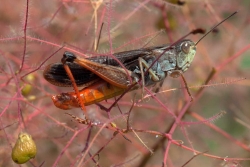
(185, 47)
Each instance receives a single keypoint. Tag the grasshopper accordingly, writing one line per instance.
(103, 77)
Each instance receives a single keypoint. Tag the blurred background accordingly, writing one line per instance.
(32, 31)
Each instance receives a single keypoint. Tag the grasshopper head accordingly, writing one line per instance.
(186, 50)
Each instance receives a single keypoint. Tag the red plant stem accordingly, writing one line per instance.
(166, 22)
(220, 131)
(5, 108)
(68, 144)
(174, 126)
(185, 108)
(209, 155)
(42, 63)
(19, 95)
(230, 59)
(84, 149)
(109, 22)
(156, 99)
(5, 133)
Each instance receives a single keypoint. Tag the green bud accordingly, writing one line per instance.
(24, 149)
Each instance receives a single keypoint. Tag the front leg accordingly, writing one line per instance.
(155, 76)
(177, 73)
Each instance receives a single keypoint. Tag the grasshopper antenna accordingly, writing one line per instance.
(99, 37)
(214, 27)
